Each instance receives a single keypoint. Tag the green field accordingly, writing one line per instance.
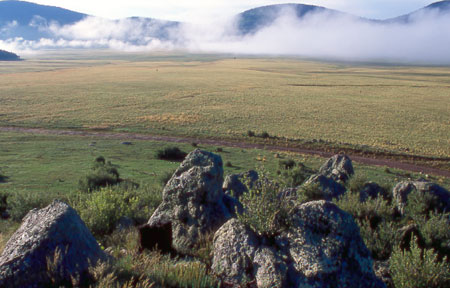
(399, 109)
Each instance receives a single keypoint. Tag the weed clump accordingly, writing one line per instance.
(171, 154)
(103, 174)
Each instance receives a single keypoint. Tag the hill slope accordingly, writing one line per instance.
(8, 56)
(441, 7)
(251, 21)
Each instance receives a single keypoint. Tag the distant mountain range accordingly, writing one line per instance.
(30, 21)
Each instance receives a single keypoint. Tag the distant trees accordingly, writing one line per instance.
(8, 56)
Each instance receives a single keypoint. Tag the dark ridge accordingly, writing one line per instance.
(8, 56)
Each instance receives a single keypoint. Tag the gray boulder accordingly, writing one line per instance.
(192, 200)
(339, 168)
(234, 183)
(329, 187)
(403, 189)
(43, 234)
(322, 248)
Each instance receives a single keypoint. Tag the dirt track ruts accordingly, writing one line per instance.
(179, 139)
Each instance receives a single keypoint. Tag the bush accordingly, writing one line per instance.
(251, 133)
(3, 178)
(228, 164)
(287, 164)
(309, 192)
(380, 240)
(418, 268)
(420, 203)
(19, 203)
(101, 209)
(356, 183)
(435, 230)
(296, 176)
(103, 174)
(265, 135)
(165, 177)
(264, 211)
(171, 153)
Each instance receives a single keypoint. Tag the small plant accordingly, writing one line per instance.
(265, 135)
(3, 178)
(356, 183)
(219, 149)
(264, 211)
(165, 177)
(418, 268)
(251, 133)
(287, 164)
(228, 164)
(103, 174)
(171, 153)
(309, 192)
(194, 144)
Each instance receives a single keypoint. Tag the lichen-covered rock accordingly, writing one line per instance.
(234, 184)
(193, 200)
(339, 167)
(326, 249)
(43, 234)
(372, 190)
(321, 248)
(234, 251)
(403, 189)
(329, 187)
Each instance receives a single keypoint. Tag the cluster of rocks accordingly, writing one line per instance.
(321, 247)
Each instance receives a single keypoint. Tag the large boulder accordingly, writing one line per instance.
(234, 183)
(403, 189)
(55, 233)
(321, 248)
(192, 200)
(372, 190)
(339, 168)
(330, 188)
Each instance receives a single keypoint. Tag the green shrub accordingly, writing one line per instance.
(3, 178)
(228, 164)
(380, 240)
(101, 209)
(356, 183)
(435, 230)
(251, 133)
(103, 174)
(264, 211)
(287, 164)
(420, 203)
(20, 202)
(171, 153)
(3, 201)
(296, 176)
(264, 135)
(309, 192)
(165, 177)
(418, 268)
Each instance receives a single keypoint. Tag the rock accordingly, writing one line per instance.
(383, 273)
(234, 186)
(326, 248)
(193, 200)
(43, 234)
(403, 189)
(234, 250)
(339, 168)
(321, 248)
(328, 186)
(372, 190)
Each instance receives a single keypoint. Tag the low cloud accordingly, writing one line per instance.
(423, 40)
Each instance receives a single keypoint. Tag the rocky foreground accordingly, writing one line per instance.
(321, 247)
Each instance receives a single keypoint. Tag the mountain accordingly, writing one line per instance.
(251, 21)
(8, 56)
(31, 21)
(441, 7)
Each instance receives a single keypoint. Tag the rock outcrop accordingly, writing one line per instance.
(403, 189)
(372, 190)
(234, 184)
(339, 168)
(331, 177)
(322, 248)
(57, 233)
(192, 200)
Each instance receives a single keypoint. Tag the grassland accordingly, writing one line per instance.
(400, 109)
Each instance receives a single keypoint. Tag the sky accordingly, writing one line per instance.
(204, 10)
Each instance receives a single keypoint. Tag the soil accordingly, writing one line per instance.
(379, 160)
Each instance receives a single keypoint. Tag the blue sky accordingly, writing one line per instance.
(195, 10)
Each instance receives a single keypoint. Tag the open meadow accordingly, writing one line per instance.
(399, 109)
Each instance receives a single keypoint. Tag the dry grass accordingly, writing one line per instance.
(395, 108)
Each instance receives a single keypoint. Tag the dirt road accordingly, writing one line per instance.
(378, 161)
